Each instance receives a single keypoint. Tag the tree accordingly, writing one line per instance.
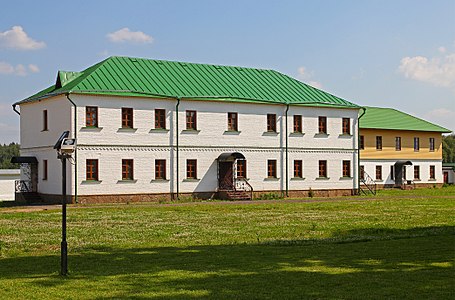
(6, 153)
(448, 148)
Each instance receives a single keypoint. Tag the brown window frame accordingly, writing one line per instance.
(271, 122)
(432, 172)
(160, 118)
(91, 169)
(160, 169)
(298, 128)
(191, 120)
(431, 145)
(378, 172)
(346, 126)
(298, 168)
(398, 143)
(323, 169)
(347, 168)
(45, 169)
(127, 169)
(232, 123)
(271, 168)
(45, 120)
(379, 142)
(322, 125)
(191, 168)
(241, 168)
(416, 172)
(362, 142)
(91, 116)
(127, 117)
(416, 144)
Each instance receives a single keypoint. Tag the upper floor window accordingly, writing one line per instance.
(416, 144)
(45, 125)
(160, 119)
(346, 168)
(232, 121)
(91, 169)
(431, 144)
(298, 169)
(271, 168)
(322, 124)
(191, 120)
(432, 172)
(127, 169)
(378, 172)
(45, 169)
(160, 169)
(346, 126)
(378, 142)
(297, 123)
(191, 169)
(91, 116)
(127, 117)
(271, 122)
(362, 142)
(323, 168)
(398, 143)
(241, 168)
(416, 172)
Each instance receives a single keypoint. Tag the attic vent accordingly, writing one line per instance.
(183, 64)
(63, 78)
(133, 60)
(218, 67)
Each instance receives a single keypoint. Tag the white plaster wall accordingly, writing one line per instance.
(370, 168)
(7, 184)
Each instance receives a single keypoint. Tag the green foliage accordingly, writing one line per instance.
(448, 149)
(6, 153)
(269, 196)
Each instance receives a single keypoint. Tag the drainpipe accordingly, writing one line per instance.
(177, 145)
(75, 150)
(287, 162)
(15, 110)
(358, 149)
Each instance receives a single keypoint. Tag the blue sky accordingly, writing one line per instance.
(392, 53)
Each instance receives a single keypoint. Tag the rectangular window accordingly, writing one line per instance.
(392, 172)
(91, 116)
(431, 144)
(45, 125)
(241, 169)
(160, 119)
(91, 169)
(127, 169)
(271, 122)
(398, 143)
(416, 172)
(416, 144)
(362, 172)
(432, 172)
(271, 168)
(323, 168)
(298, 170)
(322, 125)
(45, 169)
(346, 126)
(191, 169)
(379, 143)
(378, 172)
(127, 117)
(298, 123)
(346, 168)
(160, 169)
(191, 120)
(404, 172)
(362, 142)
(232, 121)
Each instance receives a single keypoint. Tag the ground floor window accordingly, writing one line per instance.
(160, 169)
(346, 168)
(127, 169)
(362, 172)
(91, 169)
(392, 172)
(191, 168)
(432, 172)
(241, 169)
(45, 169)
(323, 168)
(271, 168)
(378, 172)
(298, 172)
(416, 172)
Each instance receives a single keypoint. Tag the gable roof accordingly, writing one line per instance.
(389, 118)
(126, 76)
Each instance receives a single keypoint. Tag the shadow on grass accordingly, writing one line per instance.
(420, 266)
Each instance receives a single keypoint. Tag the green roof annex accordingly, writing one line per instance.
(126, 76)
(392, 119)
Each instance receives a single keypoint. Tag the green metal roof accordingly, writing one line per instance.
(389, 118)
(448, 165)
(126, 76)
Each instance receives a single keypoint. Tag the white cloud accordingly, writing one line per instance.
(305, 75)
(442, 49)
(126, 35)
(17, 38)
(315, 84)
(19, 70)
(442, 116)
(438, 71)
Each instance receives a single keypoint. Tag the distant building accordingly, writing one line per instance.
(147, 129)
(397, 149)
(448, 170)
(8, 179)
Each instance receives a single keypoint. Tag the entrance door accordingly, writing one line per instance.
(446, 177)
(226, 176)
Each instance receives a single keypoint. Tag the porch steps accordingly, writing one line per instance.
(238, 195)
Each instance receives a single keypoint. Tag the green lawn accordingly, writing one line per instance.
(401, 245)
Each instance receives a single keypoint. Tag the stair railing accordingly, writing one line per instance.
(241, 184)
(369, 183)
(23, 186)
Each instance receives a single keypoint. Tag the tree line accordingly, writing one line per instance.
(448, 148)
(6, 153)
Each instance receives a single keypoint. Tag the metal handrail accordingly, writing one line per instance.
(369, 183)
(243, 180)
(23, 186)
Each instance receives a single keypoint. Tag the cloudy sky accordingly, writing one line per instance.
(390, 53)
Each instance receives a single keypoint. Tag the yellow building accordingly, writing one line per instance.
(397, 149)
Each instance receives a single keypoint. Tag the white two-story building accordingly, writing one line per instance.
(150, 129)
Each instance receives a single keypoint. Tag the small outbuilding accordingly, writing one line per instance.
(8, 179)
(448, 170)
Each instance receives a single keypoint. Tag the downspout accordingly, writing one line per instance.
(177, 145)
(75, 150)
(358, 149)
(14, 108)
(287, 162)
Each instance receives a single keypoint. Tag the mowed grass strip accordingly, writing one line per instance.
(385, 248)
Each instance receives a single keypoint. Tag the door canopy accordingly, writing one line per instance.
(230, 156)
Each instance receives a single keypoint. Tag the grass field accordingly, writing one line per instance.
(400, 245)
